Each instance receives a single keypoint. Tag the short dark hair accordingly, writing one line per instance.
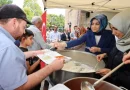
(75, 26)
(4, 21)
(27, 34)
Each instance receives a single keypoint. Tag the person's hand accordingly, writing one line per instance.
(100, 56)
(35, 53)
(126, 58)
(57, 64)
(51, 44)
(103, 72)
(60, 45)
(95, 49)
(29, 54)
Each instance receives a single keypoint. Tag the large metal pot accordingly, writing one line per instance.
(74, 84)
(83, 57)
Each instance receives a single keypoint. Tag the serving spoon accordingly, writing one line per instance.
(85, 85)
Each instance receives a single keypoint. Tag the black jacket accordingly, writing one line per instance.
(63, 37)
(122, 76)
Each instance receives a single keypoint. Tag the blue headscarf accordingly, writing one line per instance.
(102, 19)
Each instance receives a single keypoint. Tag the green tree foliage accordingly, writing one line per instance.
(32, 8)
(3, 2)
(53, 19)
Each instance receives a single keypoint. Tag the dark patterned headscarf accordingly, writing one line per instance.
(102, 19)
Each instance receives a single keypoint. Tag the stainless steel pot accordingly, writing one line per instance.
(83, 57)
(75, 84)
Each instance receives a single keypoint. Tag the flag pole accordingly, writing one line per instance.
(42, 64)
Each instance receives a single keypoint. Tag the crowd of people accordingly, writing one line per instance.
(20, 46)
(54, 35)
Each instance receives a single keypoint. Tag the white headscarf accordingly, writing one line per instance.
(121, 21)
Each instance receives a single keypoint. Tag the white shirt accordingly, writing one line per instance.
(72, 35)
(55, 36)
(97, 38)
(116, 38)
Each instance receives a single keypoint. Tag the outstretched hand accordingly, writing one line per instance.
(103, 72)
(95, 49)
(60, 45)
(29, 54)
(100, 56)
(57, 64)
(126, 58)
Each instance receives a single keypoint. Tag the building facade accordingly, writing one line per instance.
(82, 18)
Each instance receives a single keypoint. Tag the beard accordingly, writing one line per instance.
(18, 38)
(18, 34)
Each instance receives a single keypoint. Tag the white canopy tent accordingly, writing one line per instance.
(89, 5)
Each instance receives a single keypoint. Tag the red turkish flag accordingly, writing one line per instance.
(44, 25)
(42, 64)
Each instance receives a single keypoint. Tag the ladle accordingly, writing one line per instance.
(85, 85)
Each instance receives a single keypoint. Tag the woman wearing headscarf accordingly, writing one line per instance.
(98, 40)
(120, 26)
